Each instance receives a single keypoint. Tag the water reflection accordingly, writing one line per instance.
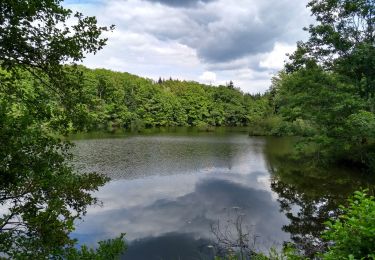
(168, 189)
(170, 246)
(309, 197)
(141, 156)
(174, 187)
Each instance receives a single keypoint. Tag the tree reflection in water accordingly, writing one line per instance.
(232, 236)
(40, 194)
(309, 197)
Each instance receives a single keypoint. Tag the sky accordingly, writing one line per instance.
(209, 41)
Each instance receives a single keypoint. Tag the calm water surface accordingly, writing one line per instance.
(168, 189)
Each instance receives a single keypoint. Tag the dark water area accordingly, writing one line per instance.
(169, 188)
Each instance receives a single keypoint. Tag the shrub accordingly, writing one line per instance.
(353, 234)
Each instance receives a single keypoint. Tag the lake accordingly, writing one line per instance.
(170, 191)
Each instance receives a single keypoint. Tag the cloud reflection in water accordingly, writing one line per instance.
(171, 188)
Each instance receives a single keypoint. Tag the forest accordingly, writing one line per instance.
(329, 83)
(325, 96)
(122, 100)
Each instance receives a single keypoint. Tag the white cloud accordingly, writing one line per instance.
(239, 40)
(208, 77)
(275, 59)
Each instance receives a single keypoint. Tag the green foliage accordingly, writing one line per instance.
(272, 125)
(289, 252)
(110, 249)
(276, 125)
(329, 83)
(35, 38)
(325, 102)
(42, 193)
(122, 100)
(362, 124)
(40, 98)
(331, 106)
(352, 234)
(341, 40)
(321, 97)
(34, 35)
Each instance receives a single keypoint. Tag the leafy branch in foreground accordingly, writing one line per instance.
(352, 235)
(108, 249)
(41, 195)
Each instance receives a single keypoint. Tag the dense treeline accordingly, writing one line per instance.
(328, 85)
(123, 100)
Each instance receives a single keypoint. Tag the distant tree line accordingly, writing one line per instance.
(123, 100)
